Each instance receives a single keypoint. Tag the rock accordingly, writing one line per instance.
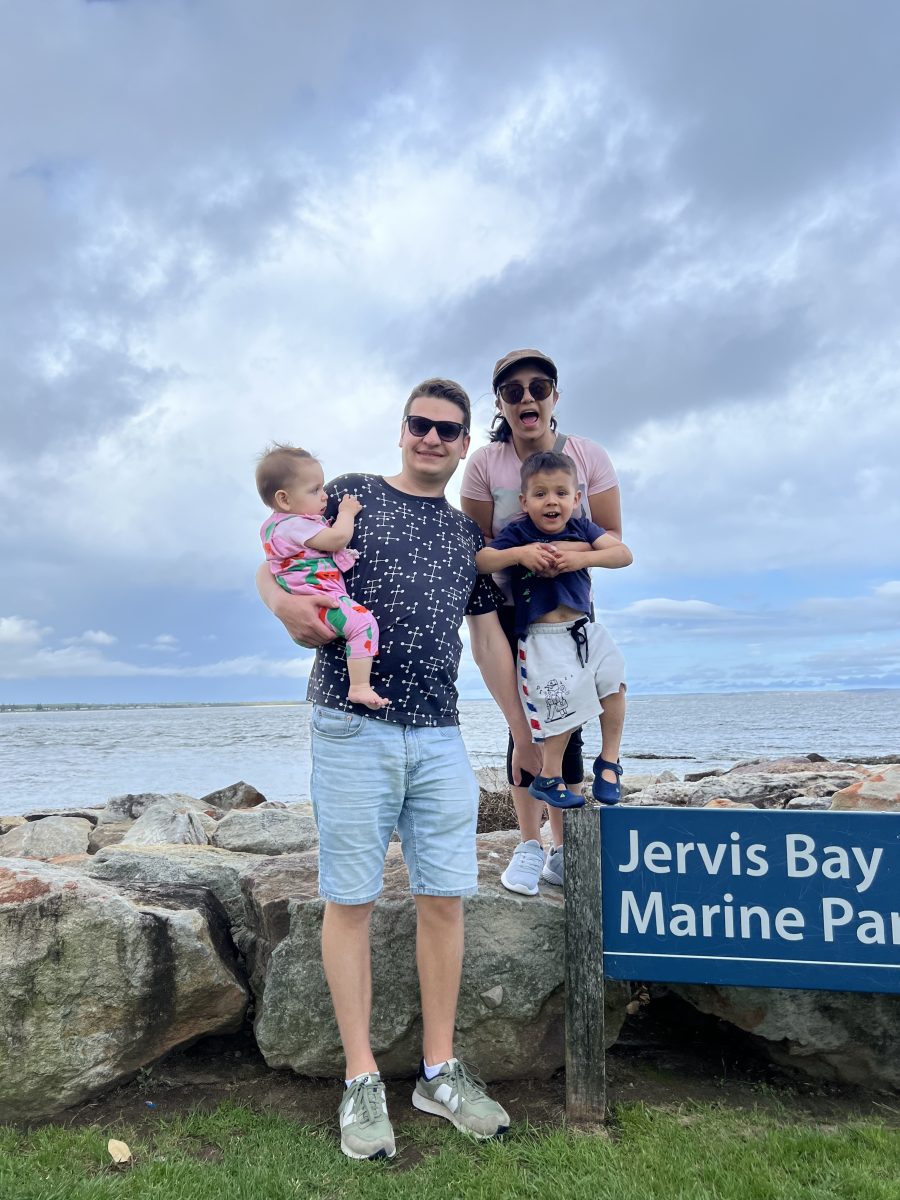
(8, 822)
(784, 766)
(236, 795)
(46, 838)
(696, 776)
(721, 802)
(267, 831)
(493, 997)
(109, 834)
(204, 866)
(97, 983)
(879, 791)
(761, 789)
(130, 806)
(168, 821)
(86, 814)
(808, 803)
(848, 1037)
(514, 952)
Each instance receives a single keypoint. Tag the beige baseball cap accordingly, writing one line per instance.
(516, 356)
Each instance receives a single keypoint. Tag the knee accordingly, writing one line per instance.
(349, 916)
(439, 910)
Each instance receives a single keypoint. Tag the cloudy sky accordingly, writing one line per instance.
(225, 223)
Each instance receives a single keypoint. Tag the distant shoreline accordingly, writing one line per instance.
(52, 706)
(36, 708)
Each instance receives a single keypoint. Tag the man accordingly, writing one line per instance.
(416, 573)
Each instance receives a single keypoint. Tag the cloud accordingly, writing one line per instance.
(93, 637)
(21, 632)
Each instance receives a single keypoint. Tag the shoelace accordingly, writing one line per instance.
(579, 637)
(466, 1081)
(369, 1107)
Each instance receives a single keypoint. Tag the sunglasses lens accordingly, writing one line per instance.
(512, 393)
(540, 388)
(447, 431)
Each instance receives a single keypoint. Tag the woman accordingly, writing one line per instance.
(524, 384)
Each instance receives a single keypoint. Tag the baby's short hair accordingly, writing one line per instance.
(277, 466)
(543, 462)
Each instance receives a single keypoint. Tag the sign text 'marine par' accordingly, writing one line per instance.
(758, 898)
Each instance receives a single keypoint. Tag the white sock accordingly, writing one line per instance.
(430, 1072)
(368, 1076)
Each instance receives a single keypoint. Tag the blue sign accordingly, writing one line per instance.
(759, 898)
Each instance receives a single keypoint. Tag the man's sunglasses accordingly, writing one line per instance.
(514, 393)
(447, 431)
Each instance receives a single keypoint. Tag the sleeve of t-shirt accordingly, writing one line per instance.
(295, 533)
(475, 484)
(485, 595)
(601, 474)
(586, 530)
(510, 535)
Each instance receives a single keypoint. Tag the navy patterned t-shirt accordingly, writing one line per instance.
(416, 574)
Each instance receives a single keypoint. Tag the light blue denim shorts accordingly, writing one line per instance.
(371, 777)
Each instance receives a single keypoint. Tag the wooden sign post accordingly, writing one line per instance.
(585, 1051)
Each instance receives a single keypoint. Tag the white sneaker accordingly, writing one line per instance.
(524, 869)
(553, 867)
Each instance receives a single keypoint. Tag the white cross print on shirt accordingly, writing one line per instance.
(396, 602)
(393, 571)
(414, 635)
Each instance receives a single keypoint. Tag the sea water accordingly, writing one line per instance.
(81, 757)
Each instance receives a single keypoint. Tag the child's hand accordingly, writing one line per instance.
(568, 559)
(539, 557)
(349, 504)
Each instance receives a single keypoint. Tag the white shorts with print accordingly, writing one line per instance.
(564, 671)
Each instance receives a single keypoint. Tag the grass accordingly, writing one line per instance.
(691, 1153)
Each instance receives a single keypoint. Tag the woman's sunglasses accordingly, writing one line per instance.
(514, 393)
(447, 431)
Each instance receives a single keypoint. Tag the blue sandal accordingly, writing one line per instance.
(546, 788)
(602, 789)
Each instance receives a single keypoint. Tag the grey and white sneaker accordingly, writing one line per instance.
(365, 1129)
(524, 869)
(458, 1095)
(553, 868)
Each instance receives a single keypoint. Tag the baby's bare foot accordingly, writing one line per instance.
(363, 694)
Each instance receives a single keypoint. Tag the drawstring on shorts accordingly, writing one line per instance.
(580, 638)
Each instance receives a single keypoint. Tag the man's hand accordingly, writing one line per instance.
(539, 557)
(525, 757)
(298, 614)
(300, 617)
(349, 504)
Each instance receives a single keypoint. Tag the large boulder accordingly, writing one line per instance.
(267, 831)
(511, 1003)
(47, 838)
(168, 822)
(99, 981)
(203, 866)
(131, 806)
(762, 788)
(847, 1037)
(236, 795)
(880, 790)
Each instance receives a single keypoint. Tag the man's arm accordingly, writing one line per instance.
(298, 614)
(490, 650)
